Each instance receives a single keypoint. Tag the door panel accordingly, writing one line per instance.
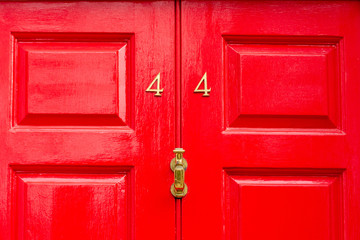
(85, 150)
(273, 151)
(282, 202)
(71, 202)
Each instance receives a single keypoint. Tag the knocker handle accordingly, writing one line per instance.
(178, 165)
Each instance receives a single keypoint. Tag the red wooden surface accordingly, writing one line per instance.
(178, 109)
(85, 150)
(273, 152)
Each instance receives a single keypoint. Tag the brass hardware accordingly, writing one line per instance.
(178, 165)
(205, 90)
(157, 91)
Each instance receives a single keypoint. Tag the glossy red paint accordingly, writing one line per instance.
(273, 152)
(85, 150)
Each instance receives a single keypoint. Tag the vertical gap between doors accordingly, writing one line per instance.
(178, 109)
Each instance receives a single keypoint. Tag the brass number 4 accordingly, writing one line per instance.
(205, 90)
(157, 91)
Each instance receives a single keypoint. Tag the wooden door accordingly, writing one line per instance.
(85, 150)
(273, 151)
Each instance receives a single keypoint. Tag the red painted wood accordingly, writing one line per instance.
(273, 152)
(178, 109)
(85, 150)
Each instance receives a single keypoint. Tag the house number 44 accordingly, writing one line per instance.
(158, 90)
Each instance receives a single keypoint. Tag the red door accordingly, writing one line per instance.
(268, 119)
(84, 149)
(273, 151)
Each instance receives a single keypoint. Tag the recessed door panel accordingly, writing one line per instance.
(72, 79)
(71, 202)
(284, 204)
(282, 82)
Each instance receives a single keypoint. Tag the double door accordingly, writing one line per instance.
(262, 95)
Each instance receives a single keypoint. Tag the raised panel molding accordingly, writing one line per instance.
(283, 83)
(56, 202)
(68, 79)
(308, 203)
